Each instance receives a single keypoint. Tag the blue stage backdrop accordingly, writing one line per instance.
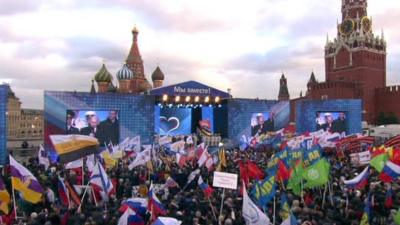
(136, 112)
(307, 111)
(3, 124)
(241, 111)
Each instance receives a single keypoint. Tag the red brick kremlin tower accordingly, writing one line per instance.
(355, 65)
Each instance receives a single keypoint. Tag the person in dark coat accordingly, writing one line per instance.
(93, 128)
(339, 125)
(328, 126)
(261, 127)
(109, 129)
(70, 128)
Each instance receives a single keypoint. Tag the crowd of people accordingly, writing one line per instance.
(189, 204)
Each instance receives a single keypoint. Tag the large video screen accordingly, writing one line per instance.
(103, 125)
(334, 122)
(175, 121)
(262, 123)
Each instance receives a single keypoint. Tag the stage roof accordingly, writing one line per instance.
(189, 88)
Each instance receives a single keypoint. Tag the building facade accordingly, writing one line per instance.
(25, 127)
(355, 66)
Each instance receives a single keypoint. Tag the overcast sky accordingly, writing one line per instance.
(242, 45)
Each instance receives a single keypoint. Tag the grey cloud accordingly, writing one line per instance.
(79, 53)
(282, 58)
(9, 7)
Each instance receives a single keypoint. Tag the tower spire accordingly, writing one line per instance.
(283, 89)
(134, 60)
(327, 38)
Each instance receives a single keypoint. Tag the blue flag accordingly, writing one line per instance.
(264, 191)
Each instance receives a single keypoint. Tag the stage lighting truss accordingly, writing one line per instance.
(188, 101)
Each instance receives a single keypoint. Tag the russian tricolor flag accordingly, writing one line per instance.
(130, 218)
(63, 192)
(359, 181)
(155, 206)
(167, 221)
(138, 205)
(390, 172)
(205, 187)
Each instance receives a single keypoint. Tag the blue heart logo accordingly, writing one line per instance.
(167, 125)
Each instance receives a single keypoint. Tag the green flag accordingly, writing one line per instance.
(397, 217)
(378, 162)
(295, 179)
(317, 174)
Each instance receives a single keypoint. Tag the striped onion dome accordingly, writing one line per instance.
(124, 73)
(103, 75)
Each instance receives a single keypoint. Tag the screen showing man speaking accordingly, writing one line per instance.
(262, 123)
(103, 125)
(334, 122)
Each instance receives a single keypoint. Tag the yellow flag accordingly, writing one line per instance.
(222, 160)
(4, 201)
(108, 160)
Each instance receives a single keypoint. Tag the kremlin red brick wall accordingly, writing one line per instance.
(388, 100)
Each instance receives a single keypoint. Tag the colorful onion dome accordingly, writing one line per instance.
(103, 75)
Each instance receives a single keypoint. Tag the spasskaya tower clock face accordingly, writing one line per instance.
(347, 27)
(366, 24)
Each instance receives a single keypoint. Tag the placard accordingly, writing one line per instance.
(225, 180)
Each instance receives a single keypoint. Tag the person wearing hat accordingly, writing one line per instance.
(71, 129)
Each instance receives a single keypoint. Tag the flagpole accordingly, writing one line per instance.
(94, 196)
(212, 209)
(15, 204)
(83, 173)
(274, 217)
(323, 198)
(330, 193)
(84, 193)
(222, 203)
(87, 187)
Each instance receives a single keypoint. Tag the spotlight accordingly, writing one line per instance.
(196, 99)
(165, 98)
(219, 106)
(170, 105)
(187, 99)
(177, 98)
(207, 99)
(217, 99)
(209, 105)
(201, 105)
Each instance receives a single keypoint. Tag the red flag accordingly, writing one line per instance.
(254, 171)
(283, 172)
(396, 156)
(377, 151)
(243, 173)
(389, 198)
(72, 194)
